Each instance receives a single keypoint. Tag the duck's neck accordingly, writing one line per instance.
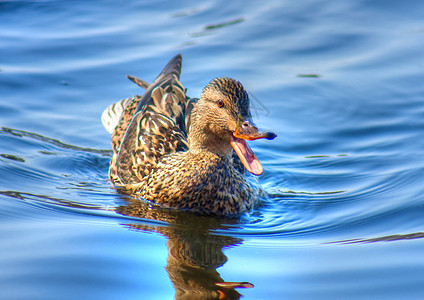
(201, 138)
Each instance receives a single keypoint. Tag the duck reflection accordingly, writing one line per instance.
(194, 252)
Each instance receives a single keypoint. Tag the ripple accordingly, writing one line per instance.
(304, 204)
(348, 154)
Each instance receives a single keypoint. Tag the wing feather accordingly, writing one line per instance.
(151, 126)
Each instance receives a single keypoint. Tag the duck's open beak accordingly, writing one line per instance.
(248, 131)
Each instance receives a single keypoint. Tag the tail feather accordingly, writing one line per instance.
(173, 67)
(141, 83)
(171, 72)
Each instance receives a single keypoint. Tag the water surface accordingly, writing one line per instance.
(341, 85)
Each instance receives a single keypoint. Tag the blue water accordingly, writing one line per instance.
(340, 83)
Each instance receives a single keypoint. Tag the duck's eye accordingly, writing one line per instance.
(220, 103)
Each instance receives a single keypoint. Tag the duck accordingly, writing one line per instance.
(186, 153)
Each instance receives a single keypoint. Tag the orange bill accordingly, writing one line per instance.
(238, 141)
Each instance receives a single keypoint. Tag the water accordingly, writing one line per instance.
(341, 85)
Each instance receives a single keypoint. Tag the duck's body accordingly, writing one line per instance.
(178, 152)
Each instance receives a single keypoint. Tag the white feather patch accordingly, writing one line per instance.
(112, 114)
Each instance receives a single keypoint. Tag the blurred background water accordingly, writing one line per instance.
(340, 83)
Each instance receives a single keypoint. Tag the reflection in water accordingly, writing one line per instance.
(194, 253)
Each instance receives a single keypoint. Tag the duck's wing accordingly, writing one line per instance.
(151, 126)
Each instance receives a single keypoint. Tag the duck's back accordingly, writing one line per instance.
(148, 127)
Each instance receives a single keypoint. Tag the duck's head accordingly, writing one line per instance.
(221, 119)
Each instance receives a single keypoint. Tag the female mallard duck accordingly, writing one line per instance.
(178, 152)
